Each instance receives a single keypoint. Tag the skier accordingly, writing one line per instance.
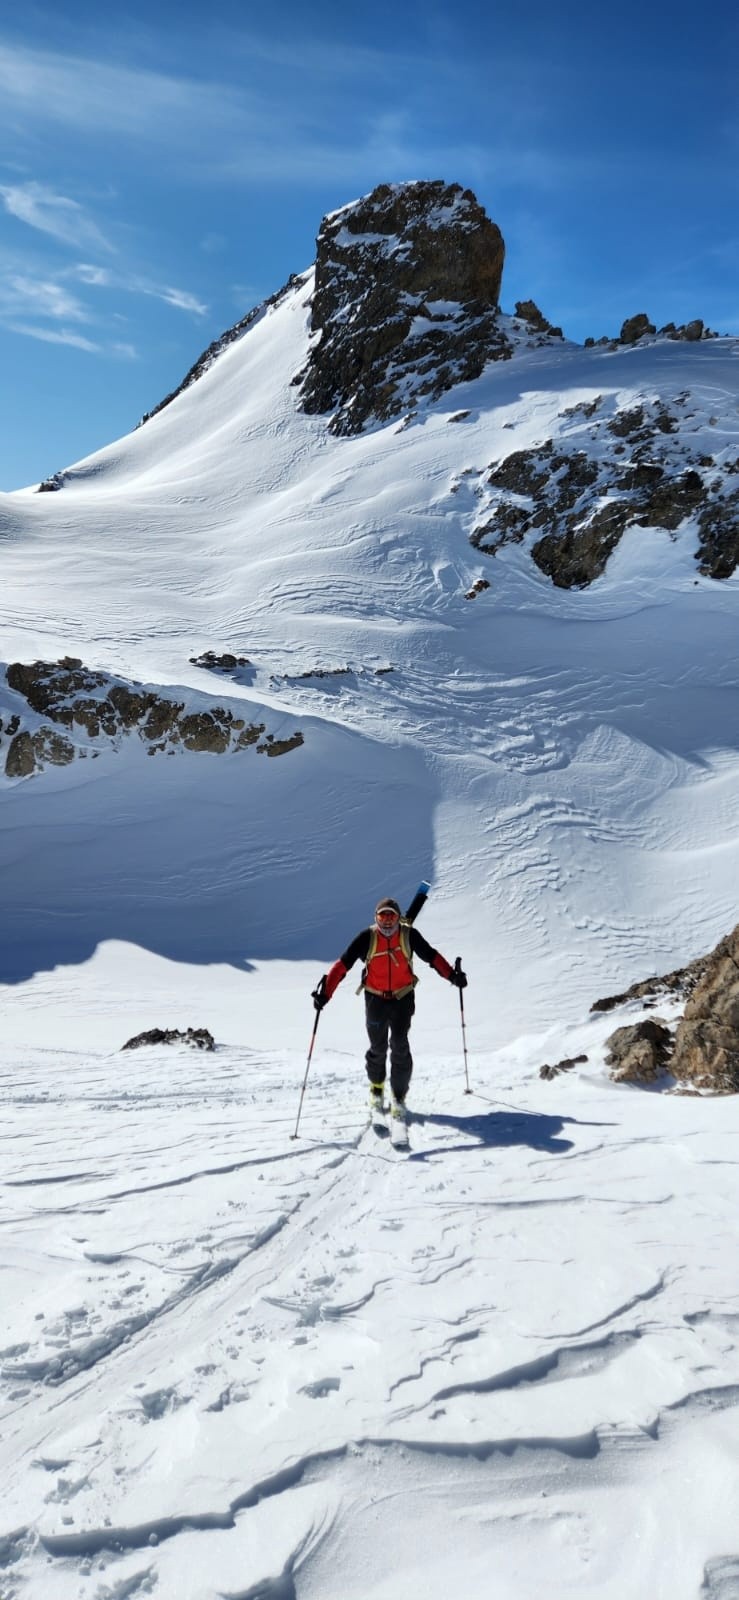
(387, 949)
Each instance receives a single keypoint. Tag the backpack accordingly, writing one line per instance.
(405, 945)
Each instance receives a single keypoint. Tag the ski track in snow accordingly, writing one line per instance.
(233, 1358)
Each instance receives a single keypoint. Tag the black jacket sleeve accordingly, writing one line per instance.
(422, 948)
(358, 950)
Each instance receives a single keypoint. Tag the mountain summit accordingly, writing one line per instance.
(405, 304)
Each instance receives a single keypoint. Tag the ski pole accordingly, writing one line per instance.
(317, 993)
(458, 968)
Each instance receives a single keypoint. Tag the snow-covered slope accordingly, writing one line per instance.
(234, 1365)
(561, 764)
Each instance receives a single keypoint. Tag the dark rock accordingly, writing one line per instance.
(528, 312)
(206, 730)
(56, 689)
(20, 761)
(691, 332)
(199, 1038)
(162, 719)
(578, 556)
(477, 588)
(508, 525)
(718, 550)
(130, 705)
(249, 734)
(677, 984)
(52, 484)
(49, 686)
(671, 501)
(566, 1065)
(223, 663)
(31, 752)
(51, 748)
(639, 1052)
(625, 423)
(280, 747)
(525, 472)
(707, 1040)
(635, 328)
(406, 297)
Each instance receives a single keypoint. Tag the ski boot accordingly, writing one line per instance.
(377, 1106)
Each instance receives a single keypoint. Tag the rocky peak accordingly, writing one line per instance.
(405, 304)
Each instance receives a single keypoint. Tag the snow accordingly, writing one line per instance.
(238, 1364)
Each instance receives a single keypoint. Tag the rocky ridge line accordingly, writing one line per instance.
(94, 706)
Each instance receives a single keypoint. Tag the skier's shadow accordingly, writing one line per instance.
(496, 1129)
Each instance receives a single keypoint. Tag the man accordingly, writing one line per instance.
(387, 950)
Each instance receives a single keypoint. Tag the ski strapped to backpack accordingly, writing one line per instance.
(418, 902)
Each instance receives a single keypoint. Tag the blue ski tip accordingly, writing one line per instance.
(423, 888)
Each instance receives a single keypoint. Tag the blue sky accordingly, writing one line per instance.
(164, 167)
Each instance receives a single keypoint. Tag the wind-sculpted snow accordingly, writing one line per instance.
(341, 1368)
(239, 1364)
(563, 764)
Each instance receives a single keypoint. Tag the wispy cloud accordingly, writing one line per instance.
(90, 95)
(135, 283)
(99, 277)
(180, 298)
(277, 122)
(55, 336)
(55, 214)
(25, 295)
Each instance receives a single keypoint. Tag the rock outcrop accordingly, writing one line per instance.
(639, 1052)
(707, 1039)
(405, 302)
(633, 468)
(528, 311)
(95, 707)
(702, 1051)
(198, 1038)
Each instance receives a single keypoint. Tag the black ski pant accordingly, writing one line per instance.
(389, 1019)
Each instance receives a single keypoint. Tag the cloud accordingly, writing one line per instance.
(180, 298)
(55, 336)
(39, 297)
(99, 277)
(280, 122)
(90, 95)
(134, 283)
(55, 214)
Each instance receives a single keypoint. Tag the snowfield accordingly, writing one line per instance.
(239, 1366)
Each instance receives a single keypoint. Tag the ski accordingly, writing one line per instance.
(418, 902)
(398, 1124)
(399, 1134)
(378, 1113)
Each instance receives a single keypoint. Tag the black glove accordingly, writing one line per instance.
(319, 995)
(458, 977)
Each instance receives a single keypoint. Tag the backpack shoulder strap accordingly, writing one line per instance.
(371, 951)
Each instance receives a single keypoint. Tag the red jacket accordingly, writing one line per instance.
(390, 973)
